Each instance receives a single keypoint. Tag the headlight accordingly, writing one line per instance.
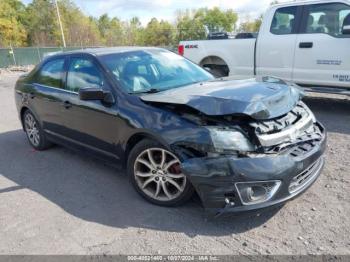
(230, 140)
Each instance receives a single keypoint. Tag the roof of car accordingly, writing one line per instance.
(110, 50)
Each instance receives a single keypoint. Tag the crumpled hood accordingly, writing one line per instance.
(258, 98)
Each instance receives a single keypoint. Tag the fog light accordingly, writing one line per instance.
(252, 193)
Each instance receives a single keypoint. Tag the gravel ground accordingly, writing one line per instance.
(60, 202)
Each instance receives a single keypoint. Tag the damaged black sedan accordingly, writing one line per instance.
(240, 144)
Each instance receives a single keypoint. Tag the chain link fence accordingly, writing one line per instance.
(24, 56)
(27, 55)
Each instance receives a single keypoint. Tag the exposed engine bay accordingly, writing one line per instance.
(296, 132)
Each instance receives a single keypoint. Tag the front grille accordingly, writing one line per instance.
(303, 148)
(278, 124)
(296, 127)
(302, 145)
(306, 177)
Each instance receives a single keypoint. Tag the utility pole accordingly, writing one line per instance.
(61, 27)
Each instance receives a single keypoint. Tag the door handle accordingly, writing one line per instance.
(67, 104)
(306, 45)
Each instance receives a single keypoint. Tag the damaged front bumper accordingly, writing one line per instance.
(215, 178)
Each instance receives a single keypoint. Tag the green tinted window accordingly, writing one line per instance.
(51, 73)
(83, 73)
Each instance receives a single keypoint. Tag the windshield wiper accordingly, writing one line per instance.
(148, 91)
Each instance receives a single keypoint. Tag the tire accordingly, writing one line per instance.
(165, 186)
(220, 71)
(34, 132)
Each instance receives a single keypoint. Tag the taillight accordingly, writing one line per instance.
(181, 50)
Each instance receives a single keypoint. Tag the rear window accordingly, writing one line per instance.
(51, 73)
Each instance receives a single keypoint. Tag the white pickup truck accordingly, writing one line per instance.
(305, 42)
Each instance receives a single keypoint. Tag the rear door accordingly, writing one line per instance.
(46, 94)
(276, 42)
(322, 55)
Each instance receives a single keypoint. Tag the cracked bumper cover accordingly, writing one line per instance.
(214, 178)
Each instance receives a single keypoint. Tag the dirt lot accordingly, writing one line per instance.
(60, 202)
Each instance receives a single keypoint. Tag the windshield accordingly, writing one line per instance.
(153, 70)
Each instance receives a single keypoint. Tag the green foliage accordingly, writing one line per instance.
(250, 25)
(79, 29)
(133, 32)
(42, 26)
(12, 31)
(158, 33)
(216, 20)
(189, 26)
(113, 35)
(37, 25)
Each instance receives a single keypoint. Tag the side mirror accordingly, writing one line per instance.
(346, 30)
(92, 93)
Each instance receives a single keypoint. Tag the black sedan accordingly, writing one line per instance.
(241, 145)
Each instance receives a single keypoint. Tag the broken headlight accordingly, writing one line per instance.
(226, 140)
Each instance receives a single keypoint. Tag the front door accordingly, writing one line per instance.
(89, 124)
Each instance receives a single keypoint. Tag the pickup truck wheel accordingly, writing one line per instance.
(218, 70)
(156, 175)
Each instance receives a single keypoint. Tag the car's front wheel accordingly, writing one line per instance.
(156, 174)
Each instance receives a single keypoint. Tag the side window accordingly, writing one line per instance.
(327, 18)
(283, 22)
(83, 73)
(51, 73)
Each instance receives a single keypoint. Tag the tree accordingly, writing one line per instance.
(188, 26)
(104, 24)
(134, 32)
(37, 24)
(115, 34)
(42, 26)
(79, 29)
(216, 20)
(159, 33)
(12, 31)
(192, 25)
(250, 25)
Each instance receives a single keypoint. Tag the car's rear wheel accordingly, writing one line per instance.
(34, 132)
(156, 174)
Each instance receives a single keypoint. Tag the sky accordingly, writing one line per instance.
(165, 9)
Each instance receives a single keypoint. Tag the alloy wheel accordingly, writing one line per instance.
(158, 174)
(32, 129)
